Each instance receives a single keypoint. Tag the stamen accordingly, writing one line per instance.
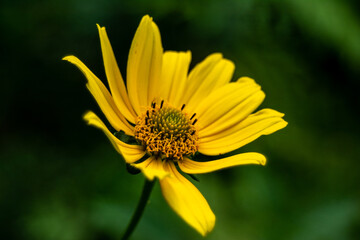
(167, 132)
(192, 116)
(161, 105)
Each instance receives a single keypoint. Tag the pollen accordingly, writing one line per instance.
(167, 132)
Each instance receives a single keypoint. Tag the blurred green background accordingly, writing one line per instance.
(62, 180)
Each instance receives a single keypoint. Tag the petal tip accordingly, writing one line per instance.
(88, 115)
(205, 230)
(71, 59)
(147, 18)
(262, 161)
(246, 79)
(283, 123)
(90, 118)
(67, 58)
(210, 226)
(100, 28)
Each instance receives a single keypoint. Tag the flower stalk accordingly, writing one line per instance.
(145, 195)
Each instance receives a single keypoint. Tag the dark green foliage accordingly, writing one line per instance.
(62, 180)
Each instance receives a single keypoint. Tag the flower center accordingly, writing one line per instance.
(167, 132)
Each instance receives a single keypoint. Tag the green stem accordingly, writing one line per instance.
(148, 186)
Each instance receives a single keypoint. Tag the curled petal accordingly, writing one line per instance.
(131, 153)
(103, 98)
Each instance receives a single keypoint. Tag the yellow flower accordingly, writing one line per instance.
(173, 115)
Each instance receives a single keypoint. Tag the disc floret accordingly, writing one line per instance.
(167, 132)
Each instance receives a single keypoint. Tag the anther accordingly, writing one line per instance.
(166, 132)
(161, 105)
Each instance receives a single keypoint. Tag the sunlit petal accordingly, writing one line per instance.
(174, 74)
(144, 64)
(227, 106)
(210, 74)
(263, 122)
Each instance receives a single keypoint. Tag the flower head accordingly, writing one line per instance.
(172, 115)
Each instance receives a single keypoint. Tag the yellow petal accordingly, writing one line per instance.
(144, 64)
(174, 74)
(193, 167)
(156, 64)
(103, 98)
(152, 168)
(263, 122)
(116, 82)
(186, 200)
(208, 75)
(131, 153)
(227, 106)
